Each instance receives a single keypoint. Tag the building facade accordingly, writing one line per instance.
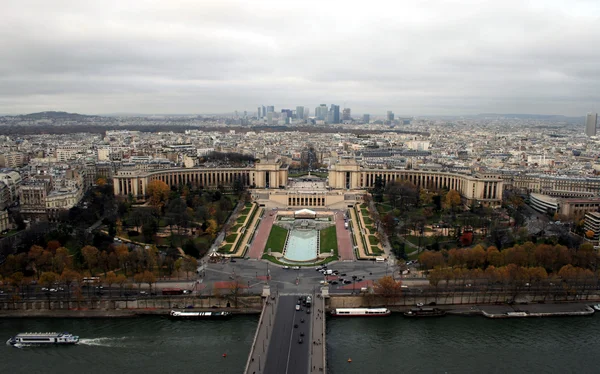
(590, 124)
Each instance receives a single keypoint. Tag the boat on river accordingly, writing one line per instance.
(361, 312)
(596, 307)
(43, 338)
(176, 314)
(425, 312)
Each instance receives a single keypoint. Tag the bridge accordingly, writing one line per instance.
(289, 341)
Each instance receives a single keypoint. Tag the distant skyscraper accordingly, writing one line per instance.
(334, 114)
(306, 113)
(346, 114)
(269, 118)
(264, 111)
(390, 115)
(300, 112)
(366, 118)
(590, 124)
(259, 112)
(321, 112)
(288, 115)
(270, 109)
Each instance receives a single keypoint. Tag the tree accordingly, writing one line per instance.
(452, 200)
(589, 234)
(110, 278)
(90, 256)
(62, 259)
(388, 287)
(149, 278)
(431, 259)
(121, 280)
(48, 278)
(212, 228)
(68, 277)
(158, 192)
(190, 264)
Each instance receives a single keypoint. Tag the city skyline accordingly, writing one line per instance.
(414, 59)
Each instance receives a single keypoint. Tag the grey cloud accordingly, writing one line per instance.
(434, 57)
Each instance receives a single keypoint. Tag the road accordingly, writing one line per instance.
(286, 355)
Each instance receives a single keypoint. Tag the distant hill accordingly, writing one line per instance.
(56, 116)
(553, 117)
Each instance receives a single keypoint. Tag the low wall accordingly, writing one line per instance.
(146, 305)
(362, 301)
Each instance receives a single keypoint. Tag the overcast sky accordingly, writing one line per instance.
(199, 56)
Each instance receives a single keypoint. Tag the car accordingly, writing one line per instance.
(143, 293)
(44, 289)
(61, 289)
(296, 268)
(343, 275)
(301, 334)
(433, 303)
(420, 304)
(297, 306)
(347, 281)
(323, 282)
(300, 340)
(334, 282)
(286, 267)
(301, 320)
(232, 260)
(296, 326)
(53, 290)
(308, 311)
(335, 272)
(187, 292)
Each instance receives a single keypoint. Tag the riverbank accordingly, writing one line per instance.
(101, 313)
(513, 311)
(488, 311)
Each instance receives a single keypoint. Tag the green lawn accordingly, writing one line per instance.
(237, 227)
(425, 240)
(226, 248)
(276, 239)
(373, 240)
(364, 212)
(231, 238)
(328, 240)
(241, 219)
(375, 250)
(367, 220)
(384, 208)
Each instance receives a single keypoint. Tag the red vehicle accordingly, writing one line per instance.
(172, 291)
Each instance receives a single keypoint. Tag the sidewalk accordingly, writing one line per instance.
(317, 349)
(260, 345)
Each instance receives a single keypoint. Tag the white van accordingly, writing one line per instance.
(297, 306)
(328, 272)
(380, 259)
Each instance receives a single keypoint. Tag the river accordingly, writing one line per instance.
(375, 345)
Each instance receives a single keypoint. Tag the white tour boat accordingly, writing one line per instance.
(38, 338)
(361, 312)
(199, 315)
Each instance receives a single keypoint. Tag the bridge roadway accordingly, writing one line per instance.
(276, 348)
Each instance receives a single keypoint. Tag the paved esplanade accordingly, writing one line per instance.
(283, 353)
